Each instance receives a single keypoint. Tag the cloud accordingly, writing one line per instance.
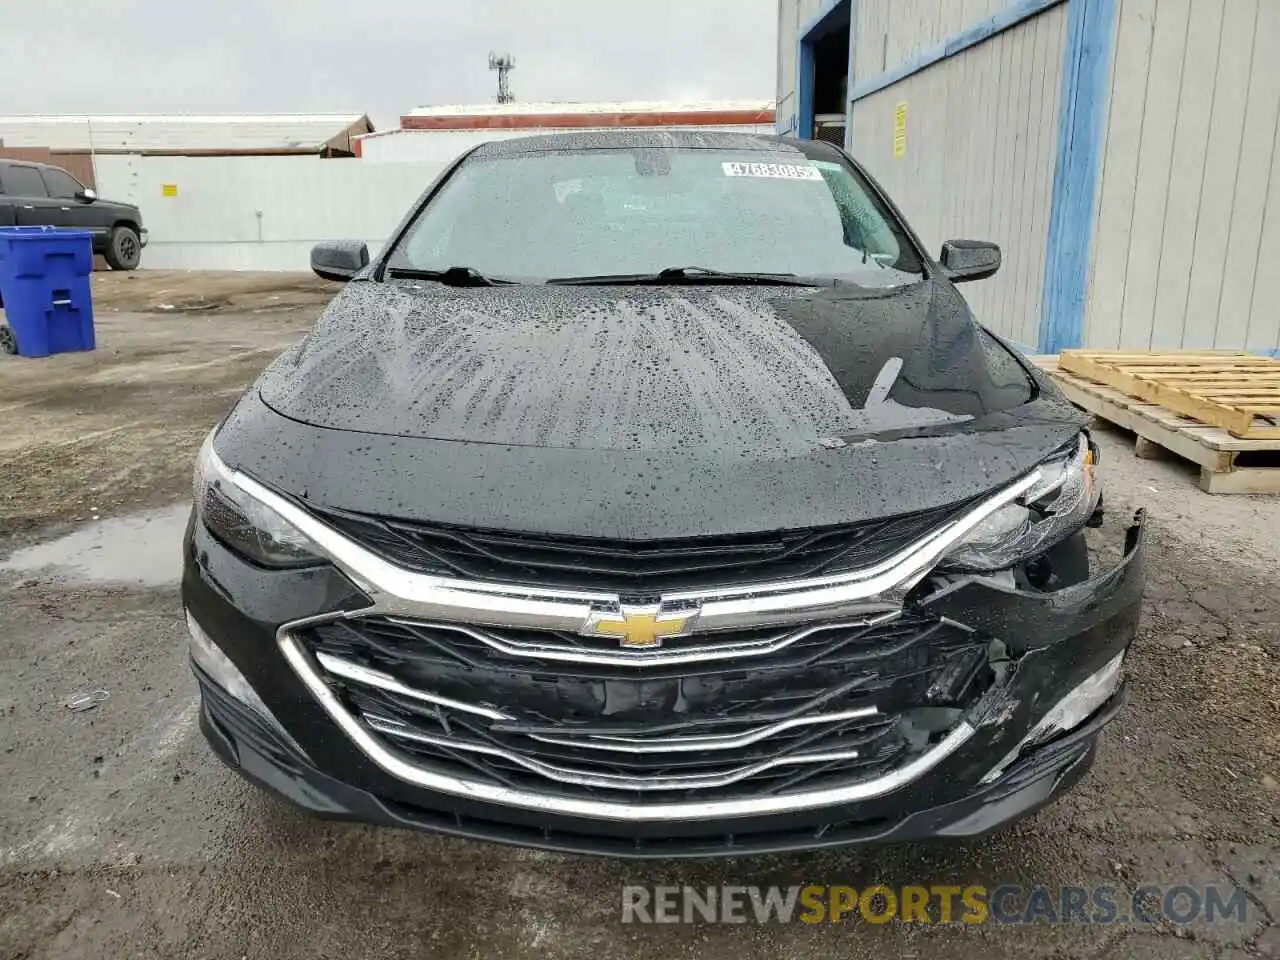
(379, 56)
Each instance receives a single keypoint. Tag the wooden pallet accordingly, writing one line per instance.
(1228, 464)
(1239, 392)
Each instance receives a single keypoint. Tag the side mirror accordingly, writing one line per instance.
(339, 259)
(88, 195)
(969, 259)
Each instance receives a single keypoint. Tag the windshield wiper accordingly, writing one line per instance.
(454, 276)
(693, 275)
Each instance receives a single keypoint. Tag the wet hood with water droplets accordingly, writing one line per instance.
(629, 412)
(753, 371)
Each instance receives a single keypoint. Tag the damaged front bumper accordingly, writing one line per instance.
(1052, 641)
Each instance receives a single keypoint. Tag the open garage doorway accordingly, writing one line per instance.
(824, 76)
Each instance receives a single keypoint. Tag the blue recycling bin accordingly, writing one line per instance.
(44, 284)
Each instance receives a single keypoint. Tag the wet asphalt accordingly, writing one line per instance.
(121, 835)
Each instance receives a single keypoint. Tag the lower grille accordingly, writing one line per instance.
(842, 703)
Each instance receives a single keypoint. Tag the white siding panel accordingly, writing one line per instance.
(1186, 174)
(981, 144)
(1264, 314)
(1222, 160)
(261, 213)
(785, 98)
(890, 31)
(1119, 173)
(1155, 157)
(1187, 224)
(1253, 179)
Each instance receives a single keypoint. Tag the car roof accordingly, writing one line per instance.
(650, 139)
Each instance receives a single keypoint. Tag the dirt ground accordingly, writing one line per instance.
(121, 836)
(117, 427)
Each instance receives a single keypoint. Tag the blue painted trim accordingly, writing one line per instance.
(1010, 16)
(804, 89)
(1082, 114)
(805, 39)
(818, 19)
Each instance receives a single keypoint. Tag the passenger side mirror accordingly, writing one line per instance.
(339, 259)
(969, 259)
(88, 195)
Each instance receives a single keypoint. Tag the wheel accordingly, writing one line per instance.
(125, 249)
(8, 342)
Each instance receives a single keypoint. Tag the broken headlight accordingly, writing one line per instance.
(244, 524)
(1057, 506)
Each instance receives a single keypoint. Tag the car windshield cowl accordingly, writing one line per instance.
(698, 275)
(451, 276)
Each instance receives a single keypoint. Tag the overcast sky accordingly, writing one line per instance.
(377, 56)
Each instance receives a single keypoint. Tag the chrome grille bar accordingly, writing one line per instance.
(722, 741)
(584, 778)
(376, 678)
(397, 765)
(645, 658)
(624, 744)
(396, 591)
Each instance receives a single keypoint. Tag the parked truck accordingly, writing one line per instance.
(37, 194)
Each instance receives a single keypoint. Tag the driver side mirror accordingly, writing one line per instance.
(339, 259)
(88, 195)
(969, 259)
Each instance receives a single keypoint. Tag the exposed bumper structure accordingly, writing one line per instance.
(353, 731)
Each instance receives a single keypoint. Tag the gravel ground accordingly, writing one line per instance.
(120, 835)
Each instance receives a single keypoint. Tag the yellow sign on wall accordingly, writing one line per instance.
(168, 189)
(900, 130)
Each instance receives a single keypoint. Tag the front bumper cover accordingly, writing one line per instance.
(254, 749)
(1057, 639)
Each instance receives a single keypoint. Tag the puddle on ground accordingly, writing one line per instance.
(143, 549)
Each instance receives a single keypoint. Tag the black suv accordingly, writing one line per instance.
(38, 195)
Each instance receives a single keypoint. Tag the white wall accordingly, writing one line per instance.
(213, 222)
(981, 148)
(1188, 231)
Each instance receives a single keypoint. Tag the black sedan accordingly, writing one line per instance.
(656, 495)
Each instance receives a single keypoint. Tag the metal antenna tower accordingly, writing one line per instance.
(504, 65)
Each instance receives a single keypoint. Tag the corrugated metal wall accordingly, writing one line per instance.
(260, 213)
(981, 139)
(1189, 220)
(889, 31)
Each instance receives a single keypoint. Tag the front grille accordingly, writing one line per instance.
(842, 703)
(638, 568)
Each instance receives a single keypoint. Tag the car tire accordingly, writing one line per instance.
(8, 342)
(124, 250)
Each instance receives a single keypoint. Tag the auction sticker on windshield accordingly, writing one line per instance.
(775, 171)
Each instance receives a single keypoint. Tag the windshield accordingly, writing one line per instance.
(611, 212)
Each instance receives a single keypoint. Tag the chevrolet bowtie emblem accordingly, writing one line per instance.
(640, 627)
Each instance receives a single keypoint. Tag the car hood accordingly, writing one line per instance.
(644, 414)
(729, 370)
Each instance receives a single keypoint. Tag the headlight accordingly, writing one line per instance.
(1057, 506)
(244, 524)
